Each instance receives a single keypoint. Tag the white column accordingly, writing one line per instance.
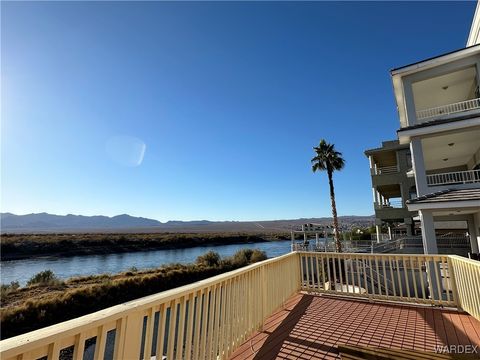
(430, 248)
(408, 225)
(472, 231)
(372, 165)
(376, 197)
(428, 232)
(476, 219)
(418, 164)
(378, 233)
(389, 232)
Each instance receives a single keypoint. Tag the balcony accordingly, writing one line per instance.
(447, 94)
(454, 178)
(289, 305)
(462, 106)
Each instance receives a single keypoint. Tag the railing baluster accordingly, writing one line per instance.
(181, 328)
(312, 273)
(100, 343)
(439, 279)
(405, 271)
(161, 330)
(172, 329)
(147, 349)
(54, 351)
(399, 277)
(414, 277)
(79, 346)
(190, 318)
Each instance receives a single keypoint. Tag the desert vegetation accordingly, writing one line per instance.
(21, 246)
(46, 300)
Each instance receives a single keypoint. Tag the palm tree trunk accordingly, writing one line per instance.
(338, 245)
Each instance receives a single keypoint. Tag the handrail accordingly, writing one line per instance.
(214, 316)
(229, 306)
(394, 203)
(424, 279)
(387, 170)
(467, 282)
(461, 106)
(456, 177)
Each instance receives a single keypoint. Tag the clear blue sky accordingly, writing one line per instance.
(203, 110)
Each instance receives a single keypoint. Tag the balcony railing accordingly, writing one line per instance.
(448, 109)
(458, 177)
(387, 170)
(209, 319)
(395, 203)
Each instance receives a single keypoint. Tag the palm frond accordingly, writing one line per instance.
(327, 158)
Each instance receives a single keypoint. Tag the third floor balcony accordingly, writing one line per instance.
(441, 88)
(443, 96)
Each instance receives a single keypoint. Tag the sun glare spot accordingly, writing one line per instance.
(126, 150)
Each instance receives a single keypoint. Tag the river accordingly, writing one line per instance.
(65, 267)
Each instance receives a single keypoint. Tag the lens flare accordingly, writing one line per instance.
(126, 150)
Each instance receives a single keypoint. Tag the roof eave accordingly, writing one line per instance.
(435, 61)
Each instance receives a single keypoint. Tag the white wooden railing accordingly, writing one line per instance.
(209, 319)
(448, 109)
(458, 177)
(212, 317)
(406, 278)
(466, 276)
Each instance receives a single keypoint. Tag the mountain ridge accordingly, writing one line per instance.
(45, 222)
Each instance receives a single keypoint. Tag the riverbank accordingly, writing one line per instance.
(48, 300)
(23, 246)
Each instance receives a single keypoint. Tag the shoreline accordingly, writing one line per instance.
(50, 300)
(27, 246)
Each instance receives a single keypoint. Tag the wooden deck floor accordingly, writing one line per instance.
(310, 327)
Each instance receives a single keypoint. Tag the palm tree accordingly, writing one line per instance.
(329, 160)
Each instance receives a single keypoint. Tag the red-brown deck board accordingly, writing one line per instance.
(311, 327)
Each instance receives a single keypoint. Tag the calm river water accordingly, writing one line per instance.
(22, 270)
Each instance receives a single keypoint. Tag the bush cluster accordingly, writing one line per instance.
(46, 277)
(8, 288)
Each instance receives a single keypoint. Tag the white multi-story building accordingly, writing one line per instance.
(438, 102)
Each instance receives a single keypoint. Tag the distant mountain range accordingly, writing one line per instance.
(43, 222)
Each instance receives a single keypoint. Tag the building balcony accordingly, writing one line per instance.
(454, 178)
(445, 110)
(287, 305)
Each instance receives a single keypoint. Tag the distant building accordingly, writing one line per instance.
(391, 187)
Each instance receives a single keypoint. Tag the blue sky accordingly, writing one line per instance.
(203, 110)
